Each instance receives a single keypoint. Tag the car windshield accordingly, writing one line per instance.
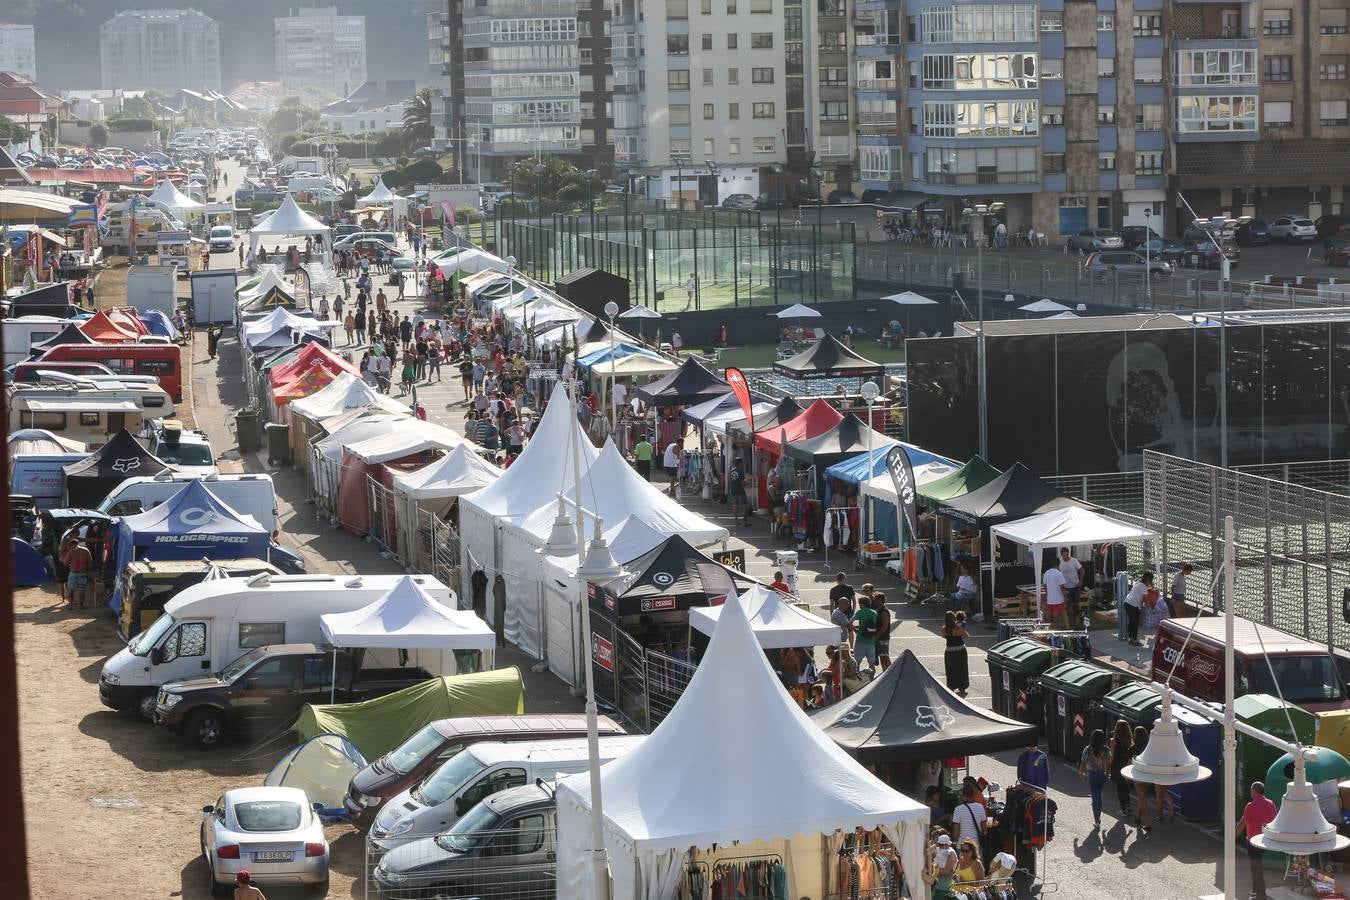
(410, 754)
(446, 781)
(185, 454)
(141, 644)
(477, 826)
(222, 231)
(241, 665)
(269, 815)
(1302, 679)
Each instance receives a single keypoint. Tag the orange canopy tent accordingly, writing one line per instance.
(817, 418)
(313, 354)
(311, 381)
(106, 328)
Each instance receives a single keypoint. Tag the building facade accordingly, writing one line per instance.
(164, 49)
(319, 50)
(18, 50)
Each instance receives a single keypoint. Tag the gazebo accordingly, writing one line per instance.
(289, 221)
(167, 195)
(828, 358)
(775, 622)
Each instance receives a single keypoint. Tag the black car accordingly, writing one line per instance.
(1167, 249)
(769, 200)
(1328, 226)
(1136, 235)
(1201, 253)
(842, 198)
(1252, 233)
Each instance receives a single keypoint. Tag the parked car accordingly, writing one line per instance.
(273, 833)
(1328, 226)
(1125, 262)
(371, 248)
(221, 239)
(1338, 253)
(186, 452)
(1339, 237)
(1096, 239)
(738, 201)
(1203, 253)
(1134, 235)
(267, 686)
(769, 200)
(1169, 249)
(347, 240)
(1252, 233)
(842, 198)
(1293, 228)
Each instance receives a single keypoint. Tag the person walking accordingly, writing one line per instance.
(1256, 815)
(1072, 570)
(499, 609)
(642, 454)
(736, 492)
(670, 461)
(348, 325)
(1056, 599)
(1134, 607)
(1122, 754)
(241, 256)
(323, 308)
(80, 563)
(434, 353)
(883, 630)
(1176, 603)
(955, 661)
(359, 324)
(865, 633)
(1092, 769)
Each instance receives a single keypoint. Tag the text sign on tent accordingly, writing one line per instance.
(602, 651)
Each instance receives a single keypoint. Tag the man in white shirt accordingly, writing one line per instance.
(620, 395)
(1134, 606)
(1056, 609)
(1072, 570)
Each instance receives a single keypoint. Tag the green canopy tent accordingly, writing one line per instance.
(975, 474)
(378, 726)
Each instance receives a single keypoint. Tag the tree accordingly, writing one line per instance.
(98, 135)
(291, 116)
(553, 181)
(137, 107)
(417, 128)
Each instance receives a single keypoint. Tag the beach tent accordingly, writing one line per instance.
(974, 474)
(379, 195)
(157, 323)
(326, 455)
(71, 334)
(103, 328)
(855, 469)
(828, 358)
(283, 323)
(907, 715)
(310, 356)
(39, 440)
(90, 480)
(817, 418)
(744, 796)
(691, 383)
(289, 219)
(29, 569)
(883, 504)
(258, 287)
(776, 622)
(322, 767)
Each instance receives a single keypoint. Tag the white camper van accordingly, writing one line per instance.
(19, 335)
(88, 411)
(252, 495)
(210, 624)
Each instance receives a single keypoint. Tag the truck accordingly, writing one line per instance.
(267, 686)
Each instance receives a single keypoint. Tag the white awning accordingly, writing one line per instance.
(774, 620)
(79, 404)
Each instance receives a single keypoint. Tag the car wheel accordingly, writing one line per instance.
(320, 889)
(205, 729)
(145, 706)
(213, 887)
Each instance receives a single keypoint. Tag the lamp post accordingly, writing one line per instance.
(1148, 268)
(869, 395)
(981, 210)
(612, 310)
(816, 176)
(1223, 331)
(778, 201)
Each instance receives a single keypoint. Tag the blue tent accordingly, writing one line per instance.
(192, 524)
(884, 525)
(159, 324)
(29, 569)
(604, 354)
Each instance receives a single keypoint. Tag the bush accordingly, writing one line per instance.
(98, 135)
(130, 123)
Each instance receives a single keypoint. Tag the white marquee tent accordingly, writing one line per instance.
(269, 279)
(345, 392)
(776, 622)
(167, 195)
(412, 436)
(461, 471)
(754, 772)
(326, 455)
(380, 195)
(282, 320)
(289, 220)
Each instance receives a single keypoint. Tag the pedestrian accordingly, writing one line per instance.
(969, 867)
(943, 867)
(466, 372)
(1122, 754)
(865, 633)
(241, 256)
(736, 492)
(421, 351)
(408, 375)
(360, 326)
(779, 585)
(1134, 607)
(1176, 603)
(384, 368)
(955, 661)
(670, 461)
(1072, 570)
(1256, 815)
(212, 339)
(80, 563)
(1092, 769)
(499, 609)
(883, 630)
(676, 342)
(690, 289)
(323, 309)
(843, 612)
(349, 325)
(434, 354)
(244, 889)
(1055, 599)
(642, 454)
(381, 301)
(970, 820)
(339, 304)
(405, 331)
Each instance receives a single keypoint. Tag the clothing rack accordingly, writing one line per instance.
(761, 876)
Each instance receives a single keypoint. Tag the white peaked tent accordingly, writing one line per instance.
(167, 194)
(753, 772)
(412, 436)
(797, 311)
(269, 279)
(281, 319)
(1044, 305)
(345, 392)
(470, 260)
(326, 456)
(461, 471)
(774, 620)
(289, 220)
(380, 195)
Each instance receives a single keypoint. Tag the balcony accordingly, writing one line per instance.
(495, 147)
(981, 179)
(877, 40)
(876, 84)
(877, 123)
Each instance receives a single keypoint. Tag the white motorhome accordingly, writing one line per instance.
(252, 495)
(19, 335)
(210, 624)
(89, 411)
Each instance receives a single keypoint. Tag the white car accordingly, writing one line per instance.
(1293, 228)
(221, 239)
(187, 452)
(273, 833)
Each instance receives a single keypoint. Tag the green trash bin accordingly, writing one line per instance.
(246, 426)
(1072, 697)
(1015, 667)
(1267, 713)
(278, 444)
(1137, 703)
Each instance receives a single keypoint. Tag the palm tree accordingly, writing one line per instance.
(417, 128)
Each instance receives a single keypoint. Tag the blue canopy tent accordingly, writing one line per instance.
(159, 324)
(192, 524)
(618, 351)
(854, 470)
(29, 569)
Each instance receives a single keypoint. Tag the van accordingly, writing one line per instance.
(31, 372)
(145, 585)
(309, 184)
(486, 768)
(90, 412)
(252, 495)
(18, 335)
(41, 476)
(1306, 672)
(164, 361)
(210, 624)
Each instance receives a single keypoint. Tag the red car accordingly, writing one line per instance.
(370, 248)
(1338, 253)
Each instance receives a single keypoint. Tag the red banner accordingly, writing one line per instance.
(739, 387)
(449, 209)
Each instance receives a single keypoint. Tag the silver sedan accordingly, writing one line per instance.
(273, 833)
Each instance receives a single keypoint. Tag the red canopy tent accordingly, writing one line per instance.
(314, 354)
(125, 317)
(817, 418)
(310, 381)
(104, 328)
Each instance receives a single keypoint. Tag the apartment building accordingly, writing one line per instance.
(319, 50)
(165, 49)
(17, 50)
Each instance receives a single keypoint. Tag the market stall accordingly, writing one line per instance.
(90, 480)
(345, 393)
(325, 455)
(827, 358)
(289, 220)
(691, 383)
(776, 622)
(412, 445)
(872, 484)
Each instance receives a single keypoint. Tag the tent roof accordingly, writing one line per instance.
(976, 473)
(543, 467)
(40, 440)
(1015, 494)
(690, 383)
(310, 381)
(828, 358)
(633, 364)
(358, 430)
(157, 322)
(883, 486)
(275, 296)
(775, 622)
(290, 219)
(846, 438)
(257, 287)
(787, 410)
(797, 311)
(854, 469)
(470, 260)
(716, 423)
(193, 510)
(461, 471)
(1044, 305)
(817, 418)
(71, 334)
(698, 412)
(281, 319)
(103, 328)
(909, 298)
(672, 570)
(348, 391)
(412, 436)
(408, 618)
(167, 193)
(121, 457)
(310, 356)
(907, 715)
(380, 194)
(1069, 527)
(735, 716)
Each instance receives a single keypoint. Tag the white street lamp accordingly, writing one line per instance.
(870, 391)
(1148, 269)
(612, 310)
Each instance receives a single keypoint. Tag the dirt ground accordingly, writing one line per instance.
(77, 754)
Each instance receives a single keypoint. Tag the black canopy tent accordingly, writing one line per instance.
(847, 438)
(665, 579)
(71, 334)
(689, 384)
(828, 358)
(906, 715)
(788, 409)
(90, 480)
(51, 299)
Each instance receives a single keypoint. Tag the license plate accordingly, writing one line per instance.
(272, 856)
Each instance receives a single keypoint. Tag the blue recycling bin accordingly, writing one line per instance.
(1200, 801)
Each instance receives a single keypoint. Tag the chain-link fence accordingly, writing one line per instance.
(514, 858)
(1292, 548)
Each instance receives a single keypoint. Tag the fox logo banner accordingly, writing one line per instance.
(934, 717)
(125, 465)
(902, 474)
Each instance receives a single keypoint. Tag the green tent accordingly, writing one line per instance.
(378, 726)
(973, 475)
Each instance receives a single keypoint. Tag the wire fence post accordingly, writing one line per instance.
(1327, 547)
(1269, 583)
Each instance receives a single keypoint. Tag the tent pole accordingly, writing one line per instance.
(1036, 592)
(332, 685)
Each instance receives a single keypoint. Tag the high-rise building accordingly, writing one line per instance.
(319, 50)
(166, 49)
(17, 53)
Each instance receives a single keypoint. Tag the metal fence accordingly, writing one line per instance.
(515, 862)
(1292, 540)
(415, 536)
(639, 686)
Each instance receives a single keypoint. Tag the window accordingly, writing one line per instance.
(939, 71)
(189, 639)
(734, 146)
(1205, 67)
(762, 110)
(1278, 67)
(1148, 117)
(879, 163)
(709, 110)
(707, 76)
(1277, 22)
(1148, 70)
(1332, 68)
(1148, 162)
(978, 23)
(1148, 25)
(984, 165)
(1052, 115)
(705, 7)
(831, 40)
(679, 113)
(709, 148)
(89, 419)
(762, 75)
(733, 110)
(1333, 112)
(495, 783)
(260, 634)
(761, 40)
(1052, 22)
(679, 149)
(733, 76)
(1052, 69)
(1216, 113)
(834, 110)
(519, 838)
(1106, 22)
(731, 40)
(677, 80)
(836, 75)
(1053, 163)
(980, 71)
(273, 673)
(731, 7)
(1278, 114)
(980, 119)
(761, 6)
(677, 9)
(677, 45)
(1106, 161)
(1333, 21)
(706, 41)
(1106, 67)
(1106, 115)
(765, 145)
(316, 672)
